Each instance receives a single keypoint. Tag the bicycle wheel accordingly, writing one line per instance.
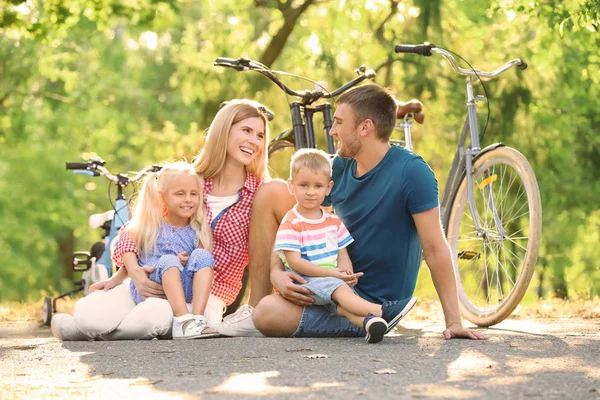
(493, 269)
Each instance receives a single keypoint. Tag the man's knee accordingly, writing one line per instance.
(274, 316)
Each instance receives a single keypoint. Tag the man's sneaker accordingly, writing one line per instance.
(239, 323)
(375, 327)
(64, 328)
(393, 311)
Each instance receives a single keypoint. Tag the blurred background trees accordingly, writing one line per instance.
(133, 82)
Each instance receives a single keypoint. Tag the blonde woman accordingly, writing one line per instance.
(233, 164)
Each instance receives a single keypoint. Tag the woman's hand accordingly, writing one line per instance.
(104, 285)
(285, 283)
(145, 287)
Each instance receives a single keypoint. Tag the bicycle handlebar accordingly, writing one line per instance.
(426, 49)
(307, 96)
(96, 167)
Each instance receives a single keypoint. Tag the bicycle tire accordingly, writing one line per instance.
(511, 180)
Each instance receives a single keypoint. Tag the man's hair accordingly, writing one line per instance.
(314, 159)
(375, 103)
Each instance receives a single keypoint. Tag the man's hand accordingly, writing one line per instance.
(145, 287)
(284, 283)
(458, 331)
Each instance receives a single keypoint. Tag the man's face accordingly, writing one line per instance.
(345, 130)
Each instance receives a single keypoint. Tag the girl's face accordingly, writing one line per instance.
(246, 140)
(182, 198)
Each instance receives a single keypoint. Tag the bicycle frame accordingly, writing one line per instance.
(465, 156)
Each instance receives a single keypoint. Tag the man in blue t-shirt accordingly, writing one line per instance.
(388, 199)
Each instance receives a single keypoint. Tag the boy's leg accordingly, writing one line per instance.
(353, 303)
(375, 327)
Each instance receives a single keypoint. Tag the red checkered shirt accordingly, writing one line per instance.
(230, 241)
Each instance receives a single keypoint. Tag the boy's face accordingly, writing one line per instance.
(310, 188)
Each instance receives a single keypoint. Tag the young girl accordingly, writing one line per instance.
(171, 234)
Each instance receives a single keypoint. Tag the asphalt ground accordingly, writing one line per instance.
(546, 359)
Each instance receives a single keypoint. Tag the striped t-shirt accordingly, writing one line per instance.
(318, 241)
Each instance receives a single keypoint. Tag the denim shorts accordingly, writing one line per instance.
(322, 287)
(200, 258)
(322, 321)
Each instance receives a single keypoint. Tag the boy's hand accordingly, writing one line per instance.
(183, 257)
(350, 278)
(349, 272)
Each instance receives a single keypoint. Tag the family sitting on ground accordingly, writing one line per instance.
(195, 228)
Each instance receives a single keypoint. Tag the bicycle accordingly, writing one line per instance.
(495, 240)
(96, 265)
(302, 133)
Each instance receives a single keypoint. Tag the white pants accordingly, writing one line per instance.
(113, 315)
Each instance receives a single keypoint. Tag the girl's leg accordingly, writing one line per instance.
(201, 290)
(351, 302)
(171, 281)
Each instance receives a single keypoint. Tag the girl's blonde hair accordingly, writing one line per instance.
(211, 159)
(147, 215)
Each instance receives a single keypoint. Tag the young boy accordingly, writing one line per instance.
(312, 243)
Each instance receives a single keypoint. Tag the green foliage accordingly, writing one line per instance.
(133, 82)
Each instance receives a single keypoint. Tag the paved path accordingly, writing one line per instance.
(524, 359)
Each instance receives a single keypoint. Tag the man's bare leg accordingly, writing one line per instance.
(270, 205)
(277, 317)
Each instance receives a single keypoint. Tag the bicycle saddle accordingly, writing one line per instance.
(97, 220)
(414, 107)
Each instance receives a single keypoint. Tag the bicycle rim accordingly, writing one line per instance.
(493, 270)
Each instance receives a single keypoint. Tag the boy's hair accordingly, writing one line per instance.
(375, 103)
(314, 159)
(211, 159)
(147, 214)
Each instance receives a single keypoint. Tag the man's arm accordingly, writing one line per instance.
(438, 258)
(285, 283)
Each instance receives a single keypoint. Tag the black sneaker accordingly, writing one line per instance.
(393, 311)
(375, 327)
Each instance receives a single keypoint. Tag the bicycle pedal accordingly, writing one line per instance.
(469, 255)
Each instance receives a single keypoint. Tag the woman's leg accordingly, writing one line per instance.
(101, 312)
(152, 318)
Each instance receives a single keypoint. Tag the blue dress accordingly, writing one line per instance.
(170, 242)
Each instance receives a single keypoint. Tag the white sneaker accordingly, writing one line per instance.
(64, 328)
(239, 323)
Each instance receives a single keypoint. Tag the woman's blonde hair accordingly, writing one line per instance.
(211, 159)
(147, 215)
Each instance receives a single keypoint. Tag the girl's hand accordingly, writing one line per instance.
(183, 257)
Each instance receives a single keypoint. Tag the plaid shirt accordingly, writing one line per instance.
(230, 241)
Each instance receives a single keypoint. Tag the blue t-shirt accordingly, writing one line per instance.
(377, 209)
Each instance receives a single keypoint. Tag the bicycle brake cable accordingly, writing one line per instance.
(484, 91)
